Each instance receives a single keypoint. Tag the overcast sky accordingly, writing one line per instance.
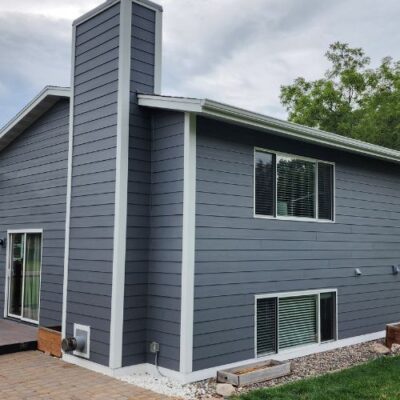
(236, 51)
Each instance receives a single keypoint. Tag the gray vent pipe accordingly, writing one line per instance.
(73, 343)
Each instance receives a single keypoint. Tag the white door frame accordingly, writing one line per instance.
(8, 274)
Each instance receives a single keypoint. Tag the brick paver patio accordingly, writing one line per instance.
(32, 375)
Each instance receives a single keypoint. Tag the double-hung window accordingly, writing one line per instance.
(289, 186)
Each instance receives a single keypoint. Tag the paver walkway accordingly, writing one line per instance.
(32, 375)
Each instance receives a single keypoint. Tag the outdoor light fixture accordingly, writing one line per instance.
(3, 242)
(395, 269)
(358, 272)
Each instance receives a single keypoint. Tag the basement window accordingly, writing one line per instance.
(293, 187)
(288, 320)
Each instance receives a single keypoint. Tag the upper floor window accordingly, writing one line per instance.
(289, 186)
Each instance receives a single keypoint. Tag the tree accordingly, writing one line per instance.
(351, 99)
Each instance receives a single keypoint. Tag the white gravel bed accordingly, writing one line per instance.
(169, 387)
(304, 367)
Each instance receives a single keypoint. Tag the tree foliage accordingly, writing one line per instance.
(352, 99)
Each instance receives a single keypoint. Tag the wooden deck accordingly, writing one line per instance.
(16, 336)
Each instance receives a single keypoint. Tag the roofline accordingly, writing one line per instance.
(49, 95)
(110, 3)
(217, 110)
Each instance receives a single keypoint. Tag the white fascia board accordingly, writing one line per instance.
(47, 92)
(290, 129)
(149, 4)
(224, 112)
(171, 103)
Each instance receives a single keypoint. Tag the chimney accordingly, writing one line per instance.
(116, 52)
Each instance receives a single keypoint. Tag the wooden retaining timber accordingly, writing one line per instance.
(253, 373)
(49, 341)
(392, 334)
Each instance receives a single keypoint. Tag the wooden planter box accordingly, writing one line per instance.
(253, 373)
(392, 334)
(49, 341)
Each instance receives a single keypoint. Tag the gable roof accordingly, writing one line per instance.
(225, 112)
(31, 112)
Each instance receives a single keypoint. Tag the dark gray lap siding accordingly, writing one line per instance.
(33, 184)
(165, 246)
(93, 179)
(138, 222)
(238, 256)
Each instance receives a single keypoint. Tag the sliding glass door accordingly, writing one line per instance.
(24, 275)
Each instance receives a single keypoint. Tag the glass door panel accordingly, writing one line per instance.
(24, 275)
(16, 274)
(31, 288)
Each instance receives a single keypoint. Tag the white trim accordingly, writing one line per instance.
(211, 372)
(262, 122)
(171, 103)
(92, 366)
(8, 270)
(108, 4)
(188, 244)
(144, 368)
(158, 52)
(86, 329)
(7, 276)
(121, 186)
(55, 91)
(293, 218)
(69, 190)
(280, 295)
(31, 112)
(39, 230)
(149, 4)
(95, 11)
(295, 294)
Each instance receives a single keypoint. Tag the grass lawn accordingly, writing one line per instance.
(378, 379)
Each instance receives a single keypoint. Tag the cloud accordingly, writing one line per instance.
(237, 51)
(65, 9)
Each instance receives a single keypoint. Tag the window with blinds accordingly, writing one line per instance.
(297, 321)
(293, 187)
(325, 191)
(291, 321)
(267, 314)
(265, 183)
(296, 187)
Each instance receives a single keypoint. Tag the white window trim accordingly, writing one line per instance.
(7, 274)
(316, 292)
(291, 218)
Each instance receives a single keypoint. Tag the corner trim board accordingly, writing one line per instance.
(158, 52)
(188, 244)
(121, 186)
(69, 190)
